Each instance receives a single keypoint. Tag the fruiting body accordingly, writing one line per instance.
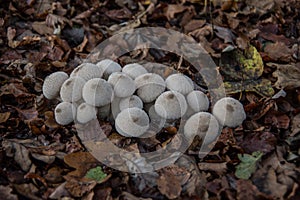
(64, 113)
(131, 102)
(203, 124)
(180, 83)
(197, 101)
(170, 105)
(97, 92)
(53, 83)
(229, 112)
(71, 90)
(123, 85)
(132, 122)
(108, 67)
(87, 71)
(149, 86)
(134, 70)
(86, 113)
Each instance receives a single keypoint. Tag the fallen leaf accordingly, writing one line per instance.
(219, 168)
(60, 192)
(119, 15)
(193, 25)
(279, 51)
(79, 188)
(42, 28)
(172, 9)
(277, 119)
(6, 194)
(225, 34)
(246, 190)
(248, 165)
(27, 190)
(287, 75)
(295, 125)
(4, 117)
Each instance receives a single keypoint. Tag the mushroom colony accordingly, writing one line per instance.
(137, 100)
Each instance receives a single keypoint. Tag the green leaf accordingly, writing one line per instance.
(248, 164)
(96, 174)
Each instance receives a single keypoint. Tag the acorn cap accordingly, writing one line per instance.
(131, 102)
(86, 113)
(149, 86)
(71, 90)
(97, 92)
(87, 71)
(180, 83)
(64, 113)
(197, 101)
(134, 70)
(123, 85)
(132, 122)
(108, 67)
(53, 83)
(170, 105)
(229, 112)
(203, 124)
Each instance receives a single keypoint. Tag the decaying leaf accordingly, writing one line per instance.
(295, 125)
(4, 117)
(288, 75)
(6, 194)
(248, 165)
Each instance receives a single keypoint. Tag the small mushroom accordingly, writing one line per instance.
(53, 83)
(229, 112)
(180, 83)
(71, 90)
(203, 124)
(197, 101)
(134, 70)
(123, 85)
(108, 67)
(132, 122)
(86, 113)
(64, 113)
(87, 71)
(170, 105)
(97, 92)
(131, 102)
(149, 86)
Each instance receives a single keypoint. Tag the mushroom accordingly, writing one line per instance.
(53, 83)
(71, 90)
(86, 113)
(123, 85)
(203, 124)
(97, 92)
(108, 67)
(229, 112)
(197, 101)
(170, 105)
(134, 70)
(64, 113)
(87, 71)
(131, 102)
(180, 83)
(132, 122)
(156, 121)
(149, 86)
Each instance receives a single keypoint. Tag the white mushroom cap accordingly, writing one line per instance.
(108, 67)
(123, 85)
(197, 101)
(64, 113)
(103, 111)
(149, 86)
(170, 105)
(229, 112)
(180, 83)
(134, 70)
(86, 113)
(53, 83)
(71, 90)
(131, 102)
(132, 122)
(115, 108)
(87, 71)
(203, 124)
(97, 92)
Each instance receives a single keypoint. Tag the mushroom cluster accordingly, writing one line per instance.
(138, 100)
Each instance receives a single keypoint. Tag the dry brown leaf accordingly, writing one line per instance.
(27, 190)
(120, 14)
(279, 51)
(6, 194)
(288, 75)
(295, 125)
(219, 168)
(172, 9)
(246, 190)
(60, 192)
(79, 188)
(42, 28)
(4, 117)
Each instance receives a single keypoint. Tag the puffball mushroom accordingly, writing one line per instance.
(64, 113)
(108, 67)
(180, 83)
(86, 113)
(229, 112)
(97, 92)
(87, 71)
(170, 105)
(53, 83)
(132, 122)
(71, 90)
(131, 102)
(123, 85)
(149, 86)
(203, 124)
(134, 70)
(197, 101)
